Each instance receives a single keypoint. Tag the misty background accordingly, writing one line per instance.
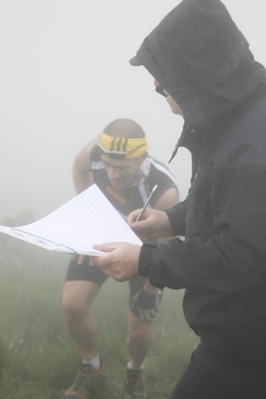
(64, 75)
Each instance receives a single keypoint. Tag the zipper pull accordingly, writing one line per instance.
(174, 153)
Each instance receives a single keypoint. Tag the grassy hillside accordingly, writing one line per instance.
(39, 360)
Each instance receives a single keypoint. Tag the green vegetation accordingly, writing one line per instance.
(39, 360)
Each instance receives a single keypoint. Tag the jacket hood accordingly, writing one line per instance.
(202, 60)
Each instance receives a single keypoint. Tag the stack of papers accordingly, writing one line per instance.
(75, 227)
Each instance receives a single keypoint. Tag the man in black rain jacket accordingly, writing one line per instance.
(202, 63)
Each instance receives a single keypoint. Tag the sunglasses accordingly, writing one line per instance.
(159, 89)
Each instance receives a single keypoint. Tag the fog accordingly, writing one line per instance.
(64, 75)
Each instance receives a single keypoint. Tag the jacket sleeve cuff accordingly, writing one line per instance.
(176, 216)
(145, 259)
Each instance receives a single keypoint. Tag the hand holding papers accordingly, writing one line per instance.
(74, 228)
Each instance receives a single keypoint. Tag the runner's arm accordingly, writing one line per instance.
(82, 174)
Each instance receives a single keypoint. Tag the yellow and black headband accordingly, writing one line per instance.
(131, 148)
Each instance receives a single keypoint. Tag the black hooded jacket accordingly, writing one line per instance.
(203, 61)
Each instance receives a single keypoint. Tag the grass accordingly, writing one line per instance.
(38, 358)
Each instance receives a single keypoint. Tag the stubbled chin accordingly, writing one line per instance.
(117, 185)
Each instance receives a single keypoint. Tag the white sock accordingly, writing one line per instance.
(130, 366)
(95, 362)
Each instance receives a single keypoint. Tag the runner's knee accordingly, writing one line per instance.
(74, 305)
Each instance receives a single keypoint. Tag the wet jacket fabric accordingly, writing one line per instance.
(203, 61)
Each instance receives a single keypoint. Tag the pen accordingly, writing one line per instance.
(146, 203)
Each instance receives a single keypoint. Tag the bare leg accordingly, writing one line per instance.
(139, 339)
(76, 302)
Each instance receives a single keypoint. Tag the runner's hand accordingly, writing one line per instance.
(146, 306)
